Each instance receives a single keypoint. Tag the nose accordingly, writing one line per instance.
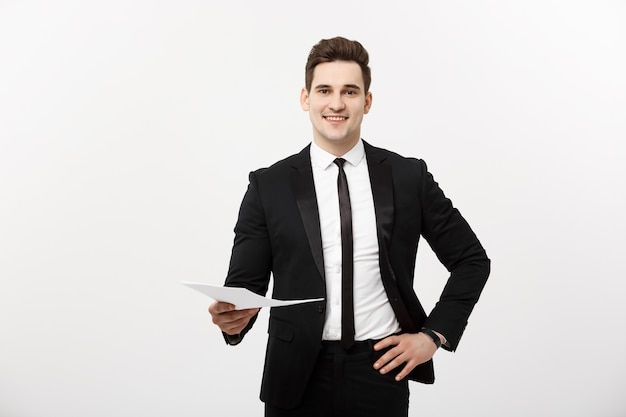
(337, 102)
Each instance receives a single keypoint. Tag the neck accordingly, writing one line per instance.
(336, 148)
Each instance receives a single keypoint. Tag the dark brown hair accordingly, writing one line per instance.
(338, 49)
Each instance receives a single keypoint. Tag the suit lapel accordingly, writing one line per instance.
(382, 191)
(304, 191)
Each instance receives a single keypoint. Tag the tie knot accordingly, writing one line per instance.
(340, 162)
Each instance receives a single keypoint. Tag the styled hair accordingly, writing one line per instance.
(338, 49)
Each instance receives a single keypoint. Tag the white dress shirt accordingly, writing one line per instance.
(373, 316)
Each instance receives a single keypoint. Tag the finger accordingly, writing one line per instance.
(386, 362)
(234, 316)
(234, 327)
(239, 324)
(220, 307)
(392, 364)
(249, 312)
(405, 371)
(416, 358)
(386, 342)
(232, 322)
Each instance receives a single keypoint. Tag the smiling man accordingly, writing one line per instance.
(341, 220)
(336, 102)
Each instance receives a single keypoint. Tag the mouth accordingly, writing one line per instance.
(335, 118)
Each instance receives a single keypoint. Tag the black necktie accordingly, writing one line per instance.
(347, 259)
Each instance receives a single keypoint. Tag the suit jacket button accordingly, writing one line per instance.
(320, 309)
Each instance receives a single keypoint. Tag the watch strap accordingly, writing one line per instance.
(433, 336)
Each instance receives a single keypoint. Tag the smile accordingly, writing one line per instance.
(335, 118)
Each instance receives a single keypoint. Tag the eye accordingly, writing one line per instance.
(323, 91)
(350, 92)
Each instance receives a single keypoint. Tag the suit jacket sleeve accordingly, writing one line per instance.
(460, 251)
(251, 257)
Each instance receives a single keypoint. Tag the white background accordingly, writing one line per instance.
(128, 128)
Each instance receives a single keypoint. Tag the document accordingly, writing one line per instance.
(241, 297)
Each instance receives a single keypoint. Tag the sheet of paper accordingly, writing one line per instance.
(241, 297)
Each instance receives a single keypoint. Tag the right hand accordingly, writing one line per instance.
(229, 320)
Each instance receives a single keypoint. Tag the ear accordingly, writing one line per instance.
(368, 102)
(304, 99)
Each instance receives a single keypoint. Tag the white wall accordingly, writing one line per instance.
(118, 124)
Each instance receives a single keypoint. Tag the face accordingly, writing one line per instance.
(336, 104)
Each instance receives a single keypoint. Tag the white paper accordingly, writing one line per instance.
(241, 297)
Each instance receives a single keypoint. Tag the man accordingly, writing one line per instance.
(342, 220)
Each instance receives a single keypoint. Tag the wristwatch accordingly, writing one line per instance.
(433, 336)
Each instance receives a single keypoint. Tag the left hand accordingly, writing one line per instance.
(410, 348)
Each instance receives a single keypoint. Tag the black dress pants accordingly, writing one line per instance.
(345, 383)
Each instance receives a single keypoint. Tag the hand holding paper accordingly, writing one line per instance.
(241, 297)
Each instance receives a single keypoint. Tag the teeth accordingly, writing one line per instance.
(335, 119)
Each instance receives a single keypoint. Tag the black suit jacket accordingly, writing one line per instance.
(278, 233)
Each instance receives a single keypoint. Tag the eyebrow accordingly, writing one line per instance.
(354, 86)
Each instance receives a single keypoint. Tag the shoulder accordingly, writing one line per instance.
(396, 160)
(298, 161)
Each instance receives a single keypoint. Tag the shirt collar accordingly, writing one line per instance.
(323, 159)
